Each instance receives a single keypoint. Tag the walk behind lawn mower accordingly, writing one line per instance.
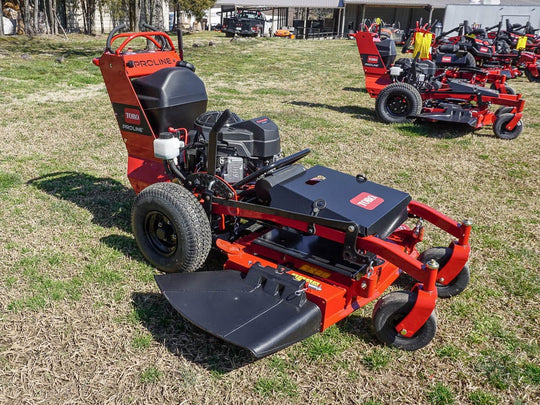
(412, 88)
(305, 247)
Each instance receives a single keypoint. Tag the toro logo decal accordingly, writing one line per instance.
(367, 201)
(446, 59)
(373, 59)
(132, 116)
(484, 49)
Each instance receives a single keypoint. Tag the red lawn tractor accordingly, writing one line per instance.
(305, 247)
(412, 88)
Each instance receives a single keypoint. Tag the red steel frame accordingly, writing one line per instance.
(341, 295)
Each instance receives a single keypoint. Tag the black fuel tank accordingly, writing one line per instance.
(171, 97)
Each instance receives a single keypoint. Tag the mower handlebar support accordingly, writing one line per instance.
(158, 38)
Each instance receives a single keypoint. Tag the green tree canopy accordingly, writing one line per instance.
(195, 7)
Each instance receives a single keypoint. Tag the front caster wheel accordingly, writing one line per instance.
(458, 284)
(499, 127)
(390, 311)
(171, 228)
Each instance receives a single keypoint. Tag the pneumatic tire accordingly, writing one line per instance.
(458, 284)
(499, 127)
(171, 228)
(389, 311)
(396, 102)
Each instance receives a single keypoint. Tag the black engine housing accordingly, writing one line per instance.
(243, 146)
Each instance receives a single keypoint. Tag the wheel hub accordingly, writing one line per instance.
(398, 105)
(161, 233)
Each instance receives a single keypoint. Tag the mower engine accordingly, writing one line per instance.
(243, 146)
(174, 99)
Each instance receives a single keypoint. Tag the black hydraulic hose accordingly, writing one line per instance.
(111, 35)
(171, 165)
(275, 165)
(160, 39)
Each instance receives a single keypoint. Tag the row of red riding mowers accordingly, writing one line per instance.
(304, 247)
(454, 79)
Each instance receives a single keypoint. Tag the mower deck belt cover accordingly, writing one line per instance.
(263, 311)
(330, 194)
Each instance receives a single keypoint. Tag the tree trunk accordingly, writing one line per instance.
(158, 19)
(26, 16)
(134, 14)
(1, 19)
(52, 16)
(35, 21)
(89, 12)
(101, 17)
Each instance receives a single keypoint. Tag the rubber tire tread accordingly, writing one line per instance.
(190, 221)
(509, 90)
(531, 78)
(400, 303)
(458, 284)
(503, 110)
(405, 89)
(499, 127)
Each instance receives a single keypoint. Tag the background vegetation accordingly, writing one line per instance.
(82, 321)
(35, 17)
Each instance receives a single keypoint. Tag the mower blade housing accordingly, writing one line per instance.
(263, 311)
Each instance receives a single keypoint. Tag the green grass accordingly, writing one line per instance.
(84, 322)
(150, 375)
(440, 395)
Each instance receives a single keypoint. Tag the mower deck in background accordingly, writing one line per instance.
(305, 247)
(412, 88)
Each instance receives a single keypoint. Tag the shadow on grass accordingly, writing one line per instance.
(360, 327)
(184, 339)
(437, 130)
(108, 200)
(355, 89)
(353, 110)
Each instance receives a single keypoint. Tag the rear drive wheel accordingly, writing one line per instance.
(171, 228)
(499, 127)
(397, 101)
(458, 284)
(389, 311)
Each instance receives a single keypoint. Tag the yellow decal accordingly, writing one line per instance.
(310, 283)
(317, 271)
